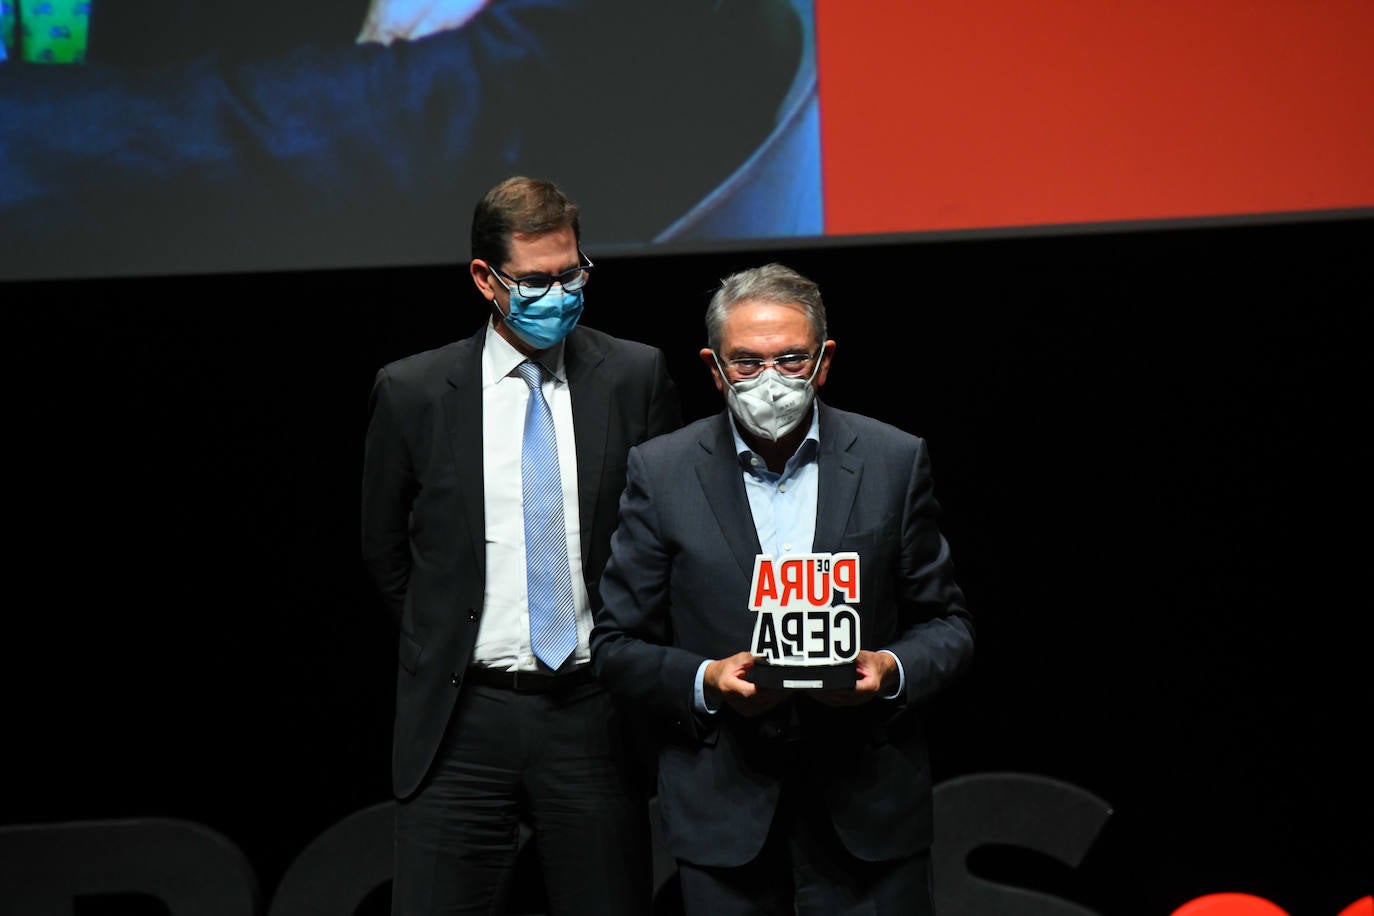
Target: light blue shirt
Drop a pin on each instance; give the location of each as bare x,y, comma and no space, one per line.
784,509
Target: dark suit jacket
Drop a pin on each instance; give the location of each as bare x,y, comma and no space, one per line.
423,520
676,592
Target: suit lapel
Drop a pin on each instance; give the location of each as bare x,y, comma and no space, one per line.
840,470
462,404
723,482
590,392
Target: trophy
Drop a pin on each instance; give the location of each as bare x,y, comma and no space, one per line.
806,632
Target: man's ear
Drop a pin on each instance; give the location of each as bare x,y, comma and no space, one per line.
482,278
827,353
709,358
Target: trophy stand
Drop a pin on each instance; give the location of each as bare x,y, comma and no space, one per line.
803,677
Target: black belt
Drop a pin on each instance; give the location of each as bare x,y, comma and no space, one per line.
530,681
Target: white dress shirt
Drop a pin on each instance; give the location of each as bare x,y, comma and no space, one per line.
503,635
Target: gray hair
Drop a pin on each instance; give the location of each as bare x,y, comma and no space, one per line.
769,283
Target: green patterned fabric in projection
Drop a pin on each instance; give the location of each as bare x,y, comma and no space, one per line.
8,48
49,31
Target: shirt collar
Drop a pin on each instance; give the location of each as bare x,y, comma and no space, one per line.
806,452
499,359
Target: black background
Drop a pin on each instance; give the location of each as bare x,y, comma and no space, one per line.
1150,447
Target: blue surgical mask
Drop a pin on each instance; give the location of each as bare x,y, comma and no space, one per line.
545,321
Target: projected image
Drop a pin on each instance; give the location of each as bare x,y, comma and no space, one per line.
170,136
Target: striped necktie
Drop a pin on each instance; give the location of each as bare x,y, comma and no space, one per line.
553,624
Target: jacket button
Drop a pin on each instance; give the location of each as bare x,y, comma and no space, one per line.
472,614
454,679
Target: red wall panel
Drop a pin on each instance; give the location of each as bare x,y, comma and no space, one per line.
948,115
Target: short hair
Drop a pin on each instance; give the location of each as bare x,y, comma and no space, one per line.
769,283
519,205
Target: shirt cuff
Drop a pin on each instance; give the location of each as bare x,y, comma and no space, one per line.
901,676
699,690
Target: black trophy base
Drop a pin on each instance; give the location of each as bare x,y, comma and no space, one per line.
804,677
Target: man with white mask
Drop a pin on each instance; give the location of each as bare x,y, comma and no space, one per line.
783,799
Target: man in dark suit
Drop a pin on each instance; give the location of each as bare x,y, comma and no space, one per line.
773,798
497,714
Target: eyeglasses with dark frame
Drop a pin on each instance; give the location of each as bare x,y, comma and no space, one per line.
793,364
535,286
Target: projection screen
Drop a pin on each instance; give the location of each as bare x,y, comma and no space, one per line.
188,136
